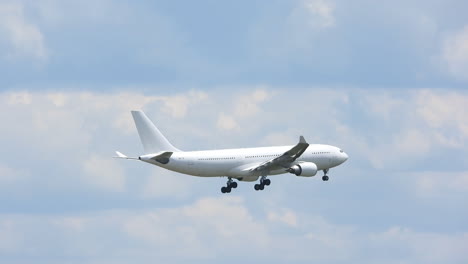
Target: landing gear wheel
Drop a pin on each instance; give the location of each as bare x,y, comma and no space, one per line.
228,189
233,185
324,178
257,187
261,187
267,182
223,189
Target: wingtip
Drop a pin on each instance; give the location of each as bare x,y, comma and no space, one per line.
302,139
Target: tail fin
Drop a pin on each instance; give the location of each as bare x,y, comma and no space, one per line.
152,139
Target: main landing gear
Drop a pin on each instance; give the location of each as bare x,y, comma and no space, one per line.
325,177
263,182
229,185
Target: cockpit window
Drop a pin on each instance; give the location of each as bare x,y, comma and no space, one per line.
341,151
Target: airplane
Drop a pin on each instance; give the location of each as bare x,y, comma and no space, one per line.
243,164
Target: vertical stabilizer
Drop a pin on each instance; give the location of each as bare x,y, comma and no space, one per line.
152,139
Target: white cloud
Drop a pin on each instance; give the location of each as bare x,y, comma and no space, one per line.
383,105
58,99
178,105
422,247
321,13
292,33
10,239
87,129
434,184
25,37
249,105
213,228
246,108
72,223
286,216
19,98
227,122
12,178
75,128
166,184
104,173
412,142
455,53
446,112
207,228
280,138
411,125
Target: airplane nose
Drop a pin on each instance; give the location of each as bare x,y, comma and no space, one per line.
344,157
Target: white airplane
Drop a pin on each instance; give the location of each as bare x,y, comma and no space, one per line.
244,164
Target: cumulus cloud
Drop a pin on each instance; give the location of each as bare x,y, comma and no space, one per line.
178,105
455,53
166,184
293,32
75,133
208,227
287,217
227,122
427,120
409,124
24,37
321,13
436,184
10,239
245,107
74,129
104,173
445,112
421,247
213,228
24,98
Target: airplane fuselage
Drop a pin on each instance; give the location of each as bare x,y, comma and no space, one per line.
244,164
235,163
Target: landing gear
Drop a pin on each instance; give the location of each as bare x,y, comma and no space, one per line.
263,182
325,177
229,185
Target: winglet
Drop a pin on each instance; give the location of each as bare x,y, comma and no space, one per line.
302,140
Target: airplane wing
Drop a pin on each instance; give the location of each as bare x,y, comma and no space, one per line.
284,160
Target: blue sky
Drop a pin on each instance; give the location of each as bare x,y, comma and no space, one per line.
384,81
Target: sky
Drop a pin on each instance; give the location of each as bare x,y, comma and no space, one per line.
385,81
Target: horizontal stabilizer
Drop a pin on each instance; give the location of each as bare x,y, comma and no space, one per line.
122,156
162,157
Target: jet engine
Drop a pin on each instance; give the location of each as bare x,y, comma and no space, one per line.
305,169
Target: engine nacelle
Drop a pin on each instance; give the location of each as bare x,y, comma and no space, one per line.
305,169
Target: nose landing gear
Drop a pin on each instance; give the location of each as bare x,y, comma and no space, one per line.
325,177
229,185
263,182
